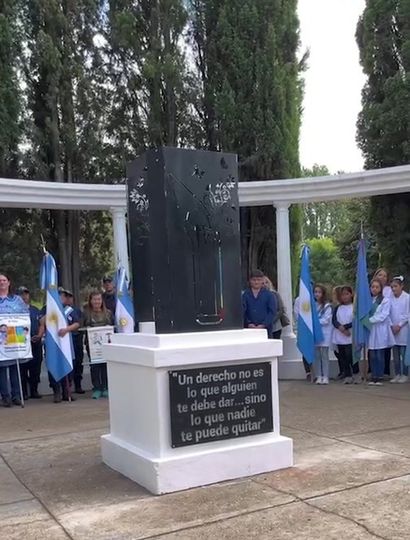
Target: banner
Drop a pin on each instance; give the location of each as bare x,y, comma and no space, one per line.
15,339
97,337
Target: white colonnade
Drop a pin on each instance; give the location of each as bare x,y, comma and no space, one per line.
279,193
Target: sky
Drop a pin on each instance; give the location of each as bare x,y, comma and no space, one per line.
333,84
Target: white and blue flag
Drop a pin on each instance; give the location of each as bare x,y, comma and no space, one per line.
309,330
59,357
124,309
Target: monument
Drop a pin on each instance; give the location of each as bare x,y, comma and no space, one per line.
193,396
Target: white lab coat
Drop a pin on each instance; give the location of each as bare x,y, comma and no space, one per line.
344,315
387,291
325,319
399,314
381,336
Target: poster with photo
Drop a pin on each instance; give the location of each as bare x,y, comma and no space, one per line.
97,337
15,340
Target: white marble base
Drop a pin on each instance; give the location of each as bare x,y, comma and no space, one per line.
139,442
214,462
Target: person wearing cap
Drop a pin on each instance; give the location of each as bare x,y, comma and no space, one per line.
259,304
30,371
74,318
109,298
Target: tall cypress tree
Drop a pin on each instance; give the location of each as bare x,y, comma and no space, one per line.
10,94
383,36
246,55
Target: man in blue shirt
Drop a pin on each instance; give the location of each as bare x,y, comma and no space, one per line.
259,304
30,371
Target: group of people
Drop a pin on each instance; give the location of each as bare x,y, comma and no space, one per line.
387,323
98,311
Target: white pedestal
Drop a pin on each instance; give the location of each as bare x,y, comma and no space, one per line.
139,443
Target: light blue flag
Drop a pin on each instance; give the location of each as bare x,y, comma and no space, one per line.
59,357
362,304
309,330
124,309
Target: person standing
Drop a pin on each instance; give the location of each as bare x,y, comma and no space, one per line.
96,314
74,318
399,315
324,310
10,304
31,370
281,319
383,275
259,304
108,296
342,336
381,336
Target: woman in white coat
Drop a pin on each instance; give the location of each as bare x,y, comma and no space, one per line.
381,335
399,315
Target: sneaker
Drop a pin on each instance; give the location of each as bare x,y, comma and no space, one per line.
348,380
395,379
371,383
6,402
319,380
105,394
96,394
325,380
378,383
403,379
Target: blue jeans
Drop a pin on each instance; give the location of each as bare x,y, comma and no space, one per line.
376,357
14,382
398,356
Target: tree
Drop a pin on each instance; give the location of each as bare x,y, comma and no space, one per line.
383,36
10,92
327,266
245,54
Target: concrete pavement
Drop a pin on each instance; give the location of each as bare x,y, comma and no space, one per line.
351,478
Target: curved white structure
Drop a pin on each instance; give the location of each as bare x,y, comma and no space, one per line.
279,193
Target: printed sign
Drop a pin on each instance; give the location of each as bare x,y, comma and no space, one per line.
211,404
97,337
15,340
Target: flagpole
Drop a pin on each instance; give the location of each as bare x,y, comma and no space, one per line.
20,385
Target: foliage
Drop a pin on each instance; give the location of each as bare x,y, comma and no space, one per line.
245,55
87,85
383,36
327,266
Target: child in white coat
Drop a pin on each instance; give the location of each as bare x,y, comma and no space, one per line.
399,315
342,333
381,336
324,310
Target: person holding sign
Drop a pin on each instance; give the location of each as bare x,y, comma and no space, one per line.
96,315
14,342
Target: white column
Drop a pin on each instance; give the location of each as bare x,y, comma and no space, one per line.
284,269
119,223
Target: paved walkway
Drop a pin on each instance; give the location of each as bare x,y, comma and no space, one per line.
351,479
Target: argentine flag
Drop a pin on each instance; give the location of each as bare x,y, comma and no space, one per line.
362,304
59,357
124,310
309,330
